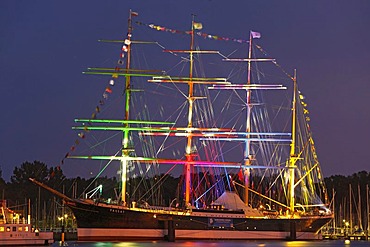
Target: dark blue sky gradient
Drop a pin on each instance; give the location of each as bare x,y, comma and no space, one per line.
45,45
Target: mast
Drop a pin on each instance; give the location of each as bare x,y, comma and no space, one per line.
350,207
125,139
367,209
293,155
188,150
359,207
334,225
191,131
247,160
248,87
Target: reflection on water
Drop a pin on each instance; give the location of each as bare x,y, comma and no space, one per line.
326,243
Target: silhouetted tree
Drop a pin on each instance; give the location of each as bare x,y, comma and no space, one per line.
22,187
2,185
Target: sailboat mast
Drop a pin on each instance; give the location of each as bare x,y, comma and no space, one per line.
367,208
188,150
350,207
334,210
359,206
127,111
293,155
248,126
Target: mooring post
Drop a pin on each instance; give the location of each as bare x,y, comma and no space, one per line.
62,234
171,231
293,230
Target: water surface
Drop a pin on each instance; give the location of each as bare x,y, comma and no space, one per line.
323,243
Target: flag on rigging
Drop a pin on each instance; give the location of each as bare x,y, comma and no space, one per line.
255,35
197,25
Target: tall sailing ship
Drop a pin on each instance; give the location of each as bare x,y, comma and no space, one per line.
241,179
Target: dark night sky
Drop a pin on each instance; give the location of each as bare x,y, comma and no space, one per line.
45,45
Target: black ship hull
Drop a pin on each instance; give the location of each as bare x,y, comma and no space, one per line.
102,222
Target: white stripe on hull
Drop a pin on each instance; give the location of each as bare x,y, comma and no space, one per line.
103,233
117,234
25,238
4,242
217,234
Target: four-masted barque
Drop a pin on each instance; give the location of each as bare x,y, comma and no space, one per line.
272,189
